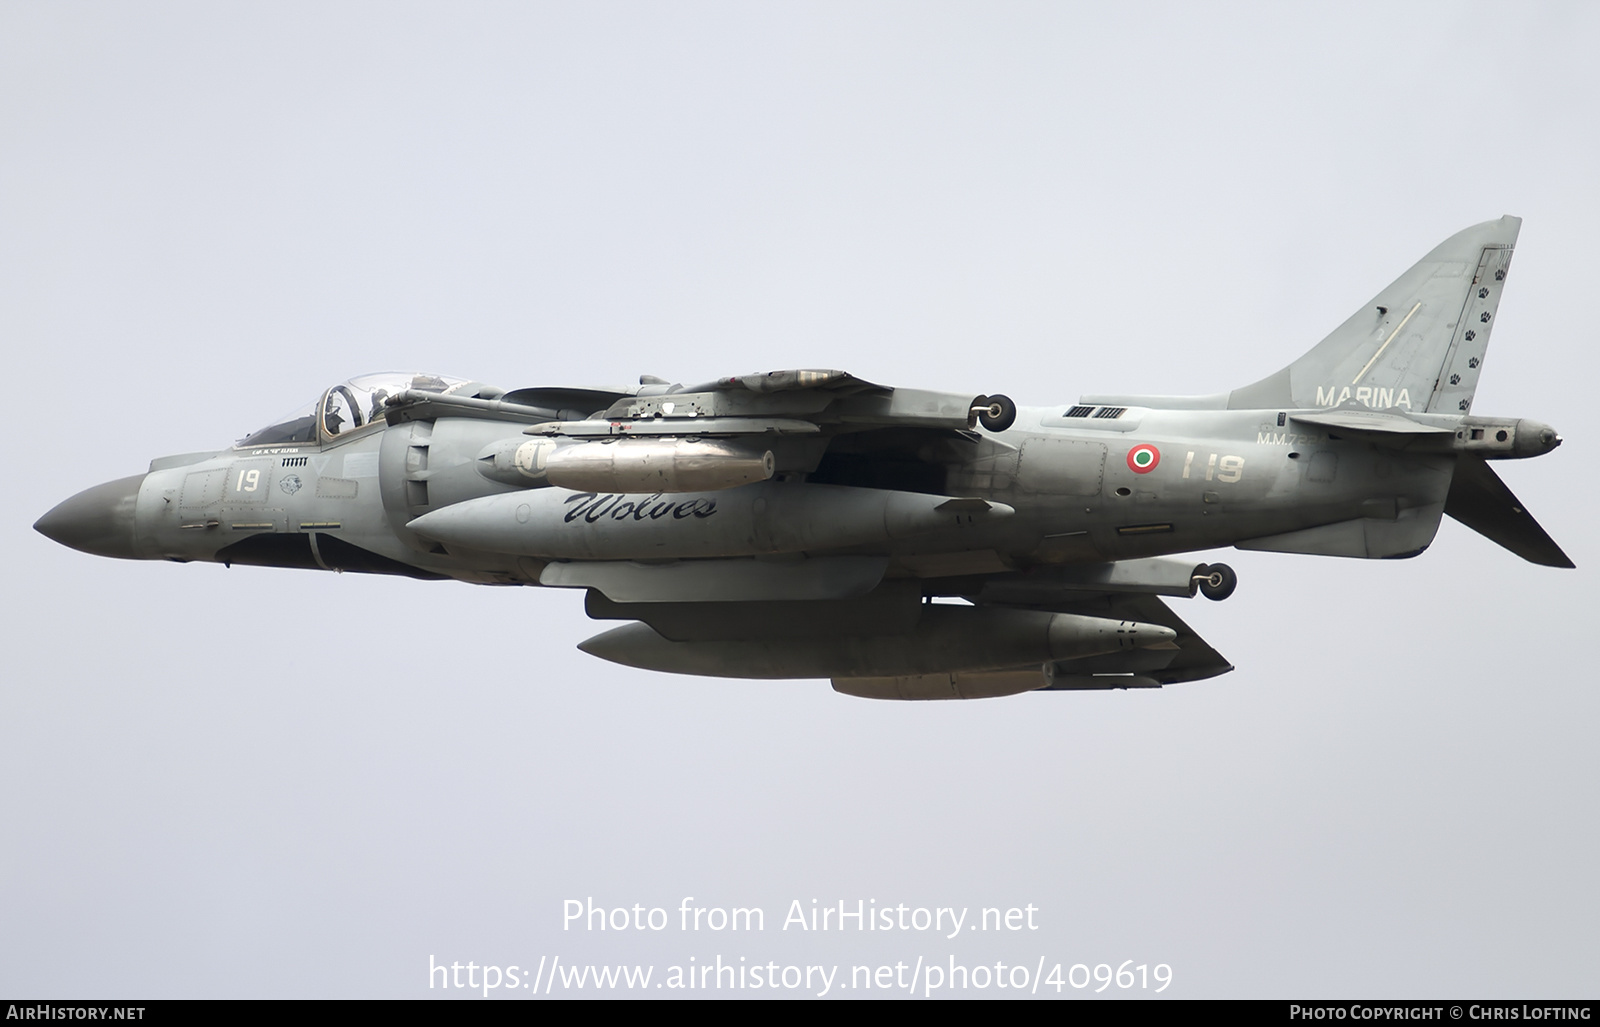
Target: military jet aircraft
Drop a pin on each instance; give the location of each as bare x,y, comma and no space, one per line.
907,544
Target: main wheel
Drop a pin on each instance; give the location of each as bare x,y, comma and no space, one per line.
998,412
1217,580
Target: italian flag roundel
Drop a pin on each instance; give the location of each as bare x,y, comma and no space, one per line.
1143,459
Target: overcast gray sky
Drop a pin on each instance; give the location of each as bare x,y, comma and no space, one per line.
257,782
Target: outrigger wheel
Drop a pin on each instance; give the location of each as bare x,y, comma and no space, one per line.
996,413
1217,580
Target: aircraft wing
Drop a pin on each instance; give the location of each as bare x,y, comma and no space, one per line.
1191,659
792,402
1380,426
1185,657
829,380
780,638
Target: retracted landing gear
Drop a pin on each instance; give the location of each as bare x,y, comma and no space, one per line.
996,413
1216,580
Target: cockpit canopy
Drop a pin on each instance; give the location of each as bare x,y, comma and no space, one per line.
347,407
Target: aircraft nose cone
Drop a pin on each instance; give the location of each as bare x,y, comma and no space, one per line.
97,520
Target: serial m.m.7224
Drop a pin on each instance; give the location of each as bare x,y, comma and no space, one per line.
804,524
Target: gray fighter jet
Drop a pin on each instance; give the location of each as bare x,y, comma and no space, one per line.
906,544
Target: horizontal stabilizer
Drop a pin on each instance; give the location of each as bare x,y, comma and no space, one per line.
1369,423
1481,501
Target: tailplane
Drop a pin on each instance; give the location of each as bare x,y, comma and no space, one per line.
1481,501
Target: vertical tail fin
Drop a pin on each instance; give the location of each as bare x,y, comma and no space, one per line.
1418,345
